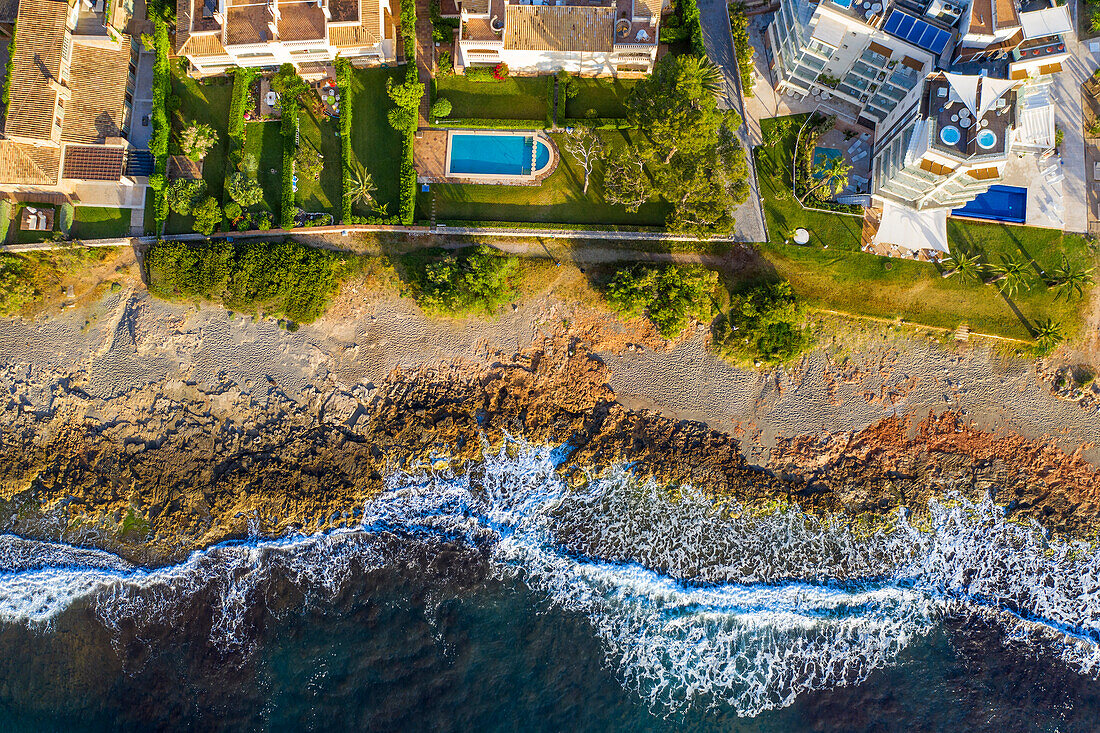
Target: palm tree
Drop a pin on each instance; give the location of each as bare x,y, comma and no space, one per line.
1070,279
832,174
709,75
1011,274
960,263
1048,334
361,188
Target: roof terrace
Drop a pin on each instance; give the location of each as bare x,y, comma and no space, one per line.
961,129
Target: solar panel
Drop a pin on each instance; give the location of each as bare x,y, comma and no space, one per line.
917,31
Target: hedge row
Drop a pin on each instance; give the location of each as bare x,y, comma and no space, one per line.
600,123
242,83
479,223
290,134
343,86
379,220
162,127
11,66
551,109
488,123
407,198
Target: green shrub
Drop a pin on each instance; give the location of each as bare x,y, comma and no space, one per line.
670,295
441,107
244,189
480,74
67,214
285,279
162,85
764,323
470,280
343,85
5,219
488,123
402,119
233,211
600,123
208,215
739,29
184,194
10,67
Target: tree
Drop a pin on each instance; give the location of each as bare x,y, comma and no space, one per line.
245,190
308,162
184,194
1012,274
207,216
1048,334
832,176
586,148
670,295
406,95
1070,279
689,146
197,139
567,85
233,211
361,188
763,323
624,180
441,107
402,119
289,85
960,263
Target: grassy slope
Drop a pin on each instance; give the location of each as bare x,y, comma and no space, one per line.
558,200
265,141
375,143
518,98
857,282
322,194
92,222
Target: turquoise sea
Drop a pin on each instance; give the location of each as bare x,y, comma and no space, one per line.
502,600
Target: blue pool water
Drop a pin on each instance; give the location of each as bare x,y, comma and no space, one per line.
502,154
999,203
822,155
843,3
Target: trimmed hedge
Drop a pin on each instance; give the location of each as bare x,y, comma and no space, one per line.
551,110
379,220
242,82
478,223
162,127
343,86
407,197
10,67
290,134
600,123
488,123
408,31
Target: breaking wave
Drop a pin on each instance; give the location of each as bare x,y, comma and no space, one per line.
696,603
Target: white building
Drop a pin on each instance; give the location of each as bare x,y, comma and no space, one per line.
215,35
611,37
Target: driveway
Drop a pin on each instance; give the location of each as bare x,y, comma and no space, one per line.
715,20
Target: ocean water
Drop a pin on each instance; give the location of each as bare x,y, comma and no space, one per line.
504,600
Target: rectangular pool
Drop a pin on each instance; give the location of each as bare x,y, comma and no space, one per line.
499,154
999,203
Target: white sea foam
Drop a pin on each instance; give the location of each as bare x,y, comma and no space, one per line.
695,604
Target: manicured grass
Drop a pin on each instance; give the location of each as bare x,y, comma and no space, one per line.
376,145
92,222
558,200
322,194
265,141
518,98
783,212
208,103
606,96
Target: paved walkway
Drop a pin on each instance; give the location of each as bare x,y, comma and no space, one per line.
1070,119
715,19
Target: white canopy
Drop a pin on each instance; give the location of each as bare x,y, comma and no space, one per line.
1035,118
1046,22
992,90
965,88
911,229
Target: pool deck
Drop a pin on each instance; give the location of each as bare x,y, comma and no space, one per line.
1043,197
430,161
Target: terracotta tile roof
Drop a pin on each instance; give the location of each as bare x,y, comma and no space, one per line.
98,83
479,29
367,33
206,44
93,162
1007,17
183,24
39,39
558,28
247,24
301,21
648,8
27,165
477,7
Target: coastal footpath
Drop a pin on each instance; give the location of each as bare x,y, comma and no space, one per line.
152,428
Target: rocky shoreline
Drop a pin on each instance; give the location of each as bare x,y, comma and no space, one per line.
174,461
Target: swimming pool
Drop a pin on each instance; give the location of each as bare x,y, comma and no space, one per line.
497,154
822,155
999,203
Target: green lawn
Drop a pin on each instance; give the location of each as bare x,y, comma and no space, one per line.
92,222
604,95
558,200
264,140
517,98
842,278
208,103
784,214
377,145
324,193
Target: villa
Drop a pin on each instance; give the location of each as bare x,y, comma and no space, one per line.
71,108
601,38
216,35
